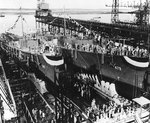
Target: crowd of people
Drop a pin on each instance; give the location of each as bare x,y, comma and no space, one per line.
111,48
82,90
107,46
38,109
111,112
107,88
101,44
115,110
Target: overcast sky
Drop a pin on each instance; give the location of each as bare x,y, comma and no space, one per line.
82,4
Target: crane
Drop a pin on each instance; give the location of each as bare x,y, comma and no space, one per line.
114,12
142,14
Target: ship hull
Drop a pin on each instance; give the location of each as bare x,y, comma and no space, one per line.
38,61
34,60
114,68
45,68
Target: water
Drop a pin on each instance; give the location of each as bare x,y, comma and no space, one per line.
9,21
29,24
103,17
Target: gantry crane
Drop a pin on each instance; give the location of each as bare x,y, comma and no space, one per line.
142,14
115,11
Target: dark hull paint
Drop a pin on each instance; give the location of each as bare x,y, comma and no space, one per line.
41,64
35,59
115,68
126,78
47,69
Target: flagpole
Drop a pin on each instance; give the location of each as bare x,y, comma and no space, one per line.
64,22
21,22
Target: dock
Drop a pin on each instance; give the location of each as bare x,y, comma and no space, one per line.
112,30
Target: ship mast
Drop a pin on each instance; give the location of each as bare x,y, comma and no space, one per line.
64,23
22,28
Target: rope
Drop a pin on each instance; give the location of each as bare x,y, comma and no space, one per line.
55,18
42,96
28,112
7,103
78,24
14,24
20,16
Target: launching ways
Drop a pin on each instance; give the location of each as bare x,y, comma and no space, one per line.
24,88
65,109
23,91
64,106
8,106
6,96
63,103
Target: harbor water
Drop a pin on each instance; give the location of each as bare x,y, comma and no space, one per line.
8,23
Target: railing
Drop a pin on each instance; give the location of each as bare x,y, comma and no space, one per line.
137,119
121,26
2,88
7,103
28,112
118,51
86,118
34,79
45,101
1,110
7,83
66,104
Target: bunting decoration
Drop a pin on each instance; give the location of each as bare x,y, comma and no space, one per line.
136,63
24,19
20,16
53,62
81,27
14,24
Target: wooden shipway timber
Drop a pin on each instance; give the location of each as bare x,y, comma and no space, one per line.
6,95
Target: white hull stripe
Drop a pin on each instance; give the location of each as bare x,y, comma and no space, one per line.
53,62
136,63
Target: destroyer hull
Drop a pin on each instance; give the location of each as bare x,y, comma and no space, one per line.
115,68
45,68
31,59
40,63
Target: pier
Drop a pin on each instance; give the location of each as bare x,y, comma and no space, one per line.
115,31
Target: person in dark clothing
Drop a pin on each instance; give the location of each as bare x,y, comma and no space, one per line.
23,119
